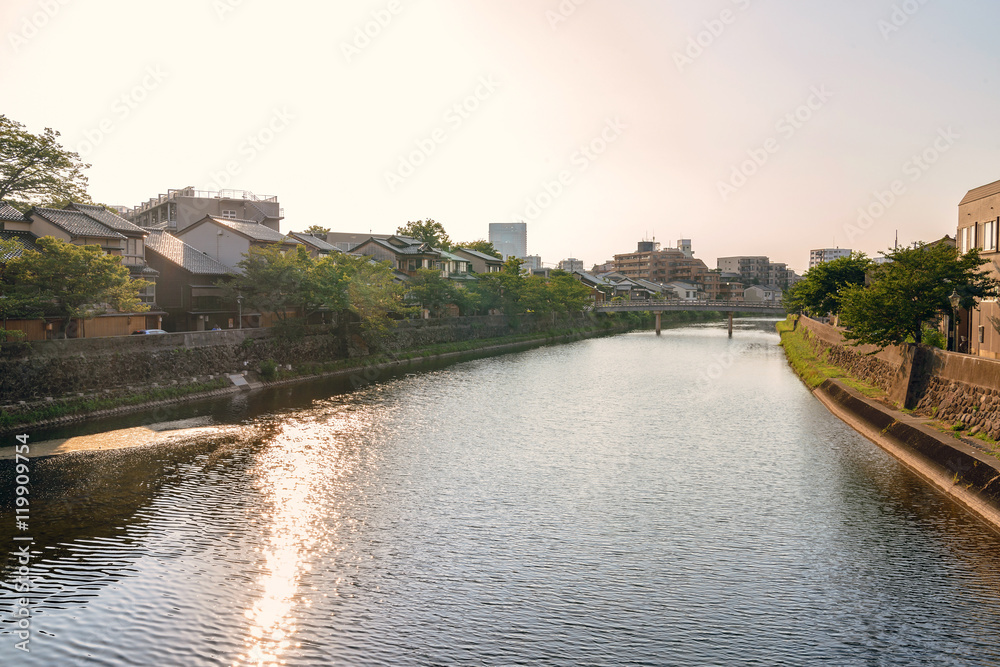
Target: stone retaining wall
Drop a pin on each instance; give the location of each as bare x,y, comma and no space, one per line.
949,386
31,371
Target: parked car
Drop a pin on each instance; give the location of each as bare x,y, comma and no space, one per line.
148,331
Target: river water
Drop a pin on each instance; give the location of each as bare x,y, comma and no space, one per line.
671,500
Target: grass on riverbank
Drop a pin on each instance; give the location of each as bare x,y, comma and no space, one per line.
32,414
357,363
812,368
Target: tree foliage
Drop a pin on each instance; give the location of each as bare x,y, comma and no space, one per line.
373,293
290,283
428,231
912,289
317,229
482,246
433,291
818,293
70,281
36,170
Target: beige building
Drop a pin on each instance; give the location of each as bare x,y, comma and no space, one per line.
178,209
978,226
228,241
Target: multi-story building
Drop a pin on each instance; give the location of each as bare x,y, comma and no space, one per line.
571,264
757,270
178,209
510,238
978,227
752,269
648,262
820,255
531,262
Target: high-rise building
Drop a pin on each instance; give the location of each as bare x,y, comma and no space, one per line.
821,255
510,238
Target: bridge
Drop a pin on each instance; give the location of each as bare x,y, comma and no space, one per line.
658,306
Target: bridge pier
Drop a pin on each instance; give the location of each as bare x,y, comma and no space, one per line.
730,324
658,323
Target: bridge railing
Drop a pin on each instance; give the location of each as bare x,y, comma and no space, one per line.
722,305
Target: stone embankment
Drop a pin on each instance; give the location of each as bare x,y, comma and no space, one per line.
946,394
123,374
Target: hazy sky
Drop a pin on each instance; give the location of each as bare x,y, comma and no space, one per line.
749,126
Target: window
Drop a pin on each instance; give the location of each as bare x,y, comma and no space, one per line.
231,215
964,246
989,236
148,294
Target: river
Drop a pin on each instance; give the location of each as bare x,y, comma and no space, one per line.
671,500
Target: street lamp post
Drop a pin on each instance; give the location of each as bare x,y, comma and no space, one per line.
239,302
954,299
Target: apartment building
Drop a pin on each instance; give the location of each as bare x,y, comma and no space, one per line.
978,227
820,255
179,209
650,263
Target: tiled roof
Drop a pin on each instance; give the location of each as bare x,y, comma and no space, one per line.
183,255
254,230
107,218
314,241
479,255
8,212
76,223
420,249
25,241
981,192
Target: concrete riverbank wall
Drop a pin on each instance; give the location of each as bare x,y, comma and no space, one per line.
943,388
948,386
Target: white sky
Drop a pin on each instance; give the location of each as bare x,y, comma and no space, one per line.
160,95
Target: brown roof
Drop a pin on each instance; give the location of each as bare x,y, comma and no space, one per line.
981,192
183,255
75,223
107,218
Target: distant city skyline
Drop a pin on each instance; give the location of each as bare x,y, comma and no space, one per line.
748,127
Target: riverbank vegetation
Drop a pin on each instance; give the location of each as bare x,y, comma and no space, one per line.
898,300
812,368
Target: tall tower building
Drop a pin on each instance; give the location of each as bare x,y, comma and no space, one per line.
510,238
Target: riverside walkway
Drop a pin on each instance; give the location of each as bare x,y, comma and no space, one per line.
658,306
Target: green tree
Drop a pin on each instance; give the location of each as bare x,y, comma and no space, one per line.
818,293
482,246
432,291
280,282
317,229
36,170
271,281
73,282
568,294
912,289
373,293
428,231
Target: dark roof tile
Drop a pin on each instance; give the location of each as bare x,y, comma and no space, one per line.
183,255
76,223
